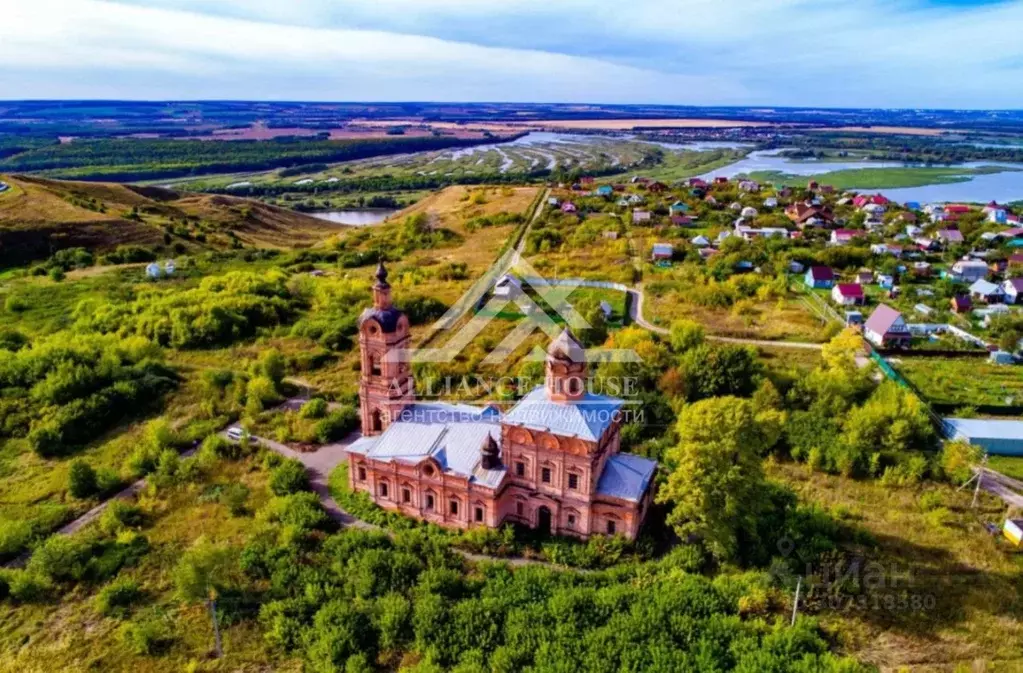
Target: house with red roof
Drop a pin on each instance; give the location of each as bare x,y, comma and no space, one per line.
848,294
956,209
720,180
886,328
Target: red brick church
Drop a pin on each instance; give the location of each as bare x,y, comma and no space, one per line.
552,462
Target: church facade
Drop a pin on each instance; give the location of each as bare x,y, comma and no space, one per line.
552,462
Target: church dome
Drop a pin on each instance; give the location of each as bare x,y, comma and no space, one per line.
566,347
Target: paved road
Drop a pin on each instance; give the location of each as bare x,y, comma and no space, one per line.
636,313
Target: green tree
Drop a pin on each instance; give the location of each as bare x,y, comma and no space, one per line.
717,479
82,481
957,459
686,335
197,576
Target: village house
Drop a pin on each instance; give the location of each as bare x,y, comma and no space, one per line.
640,216
864,277
968,271
700,241
848,294
996,213
749,186
678,208
605,190
507,287
886,328
552,463
662,252
770,202
1013,289
886,249
949,237
987,292
808,215
844,236
819,277
681,220
568,207
961,303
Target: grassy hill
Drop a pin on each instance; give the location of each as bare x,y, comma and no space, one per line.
39,216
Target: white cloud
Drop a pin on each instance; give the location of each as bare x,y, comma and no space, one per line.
771,52
97,36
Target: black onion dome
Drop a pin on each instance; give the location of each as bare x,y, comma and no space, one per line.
490,454
387,318
381,275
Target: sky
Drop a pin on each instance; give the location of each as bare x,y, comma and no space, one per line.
827,53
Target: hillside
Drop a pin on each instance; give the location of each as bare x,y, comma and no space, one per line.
39,216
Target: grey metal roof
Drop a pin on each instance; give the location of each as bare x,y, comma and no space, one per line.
586,418
451,434
626,476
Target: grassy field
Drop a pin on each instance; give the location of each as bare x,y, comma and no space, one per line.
69,635
38,216
935,554
880,178
966,381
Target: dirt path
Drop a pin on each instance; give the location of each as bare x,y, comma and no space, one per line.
636,313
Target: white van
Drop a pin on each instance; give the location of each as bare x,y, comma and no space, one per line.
235,434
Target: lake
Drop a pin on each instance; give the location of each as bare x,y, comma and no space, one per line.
362,217
1001,187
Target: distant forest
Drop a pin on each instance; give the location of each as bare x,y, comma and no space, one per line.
141,159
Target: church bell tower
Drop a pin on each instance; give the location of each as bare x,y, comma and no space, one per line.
386,386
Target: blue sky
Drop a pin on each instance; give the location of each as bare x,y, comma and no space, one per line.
858,53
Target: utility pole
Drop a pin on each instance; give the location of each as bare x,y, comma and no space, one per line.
980,477
795,605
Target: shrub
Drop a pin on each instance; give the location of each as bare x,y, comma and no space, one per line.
314,408
61,557
299,510
120,515
14,536
82,481
288,477
146,637
337,425
235,497
15,304
26,586
116,598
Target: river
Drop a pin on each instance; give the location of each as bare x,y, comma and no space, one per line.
1002,187
362,217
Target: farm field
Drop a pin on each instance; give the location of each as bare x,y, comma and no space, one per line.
965,381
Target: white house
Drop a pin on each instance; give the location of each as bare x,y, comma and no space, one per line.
770,202
507,287
748,213
987,292
886,327
1013,289
968,270
700,241
848,294
640,216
